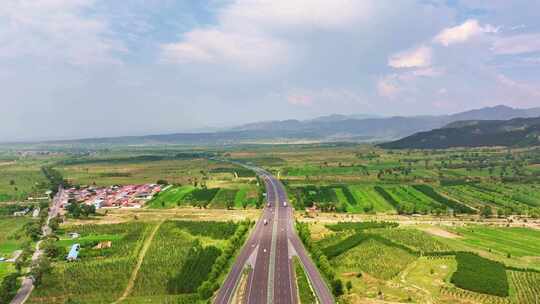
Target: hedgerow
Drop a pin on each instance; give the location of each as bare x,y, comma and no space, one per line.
430,192
357,226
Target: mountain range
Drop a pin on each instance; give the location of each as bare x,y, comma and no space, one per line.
336,127
474,133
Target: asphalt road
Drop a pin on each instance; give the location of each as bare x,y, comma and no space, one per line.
27,284
271,279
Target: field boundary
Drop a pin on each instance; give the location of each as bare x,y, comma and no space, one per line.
140,259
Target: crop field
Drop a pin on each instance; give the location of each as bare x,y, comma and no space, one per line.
369,200
518,242
101,274
384,261
179,259
170,198
374,258
480,275
107,173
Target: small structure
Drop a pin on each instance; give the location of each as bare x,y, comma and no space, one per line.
36,211
104,245
21,213
74,235
73,252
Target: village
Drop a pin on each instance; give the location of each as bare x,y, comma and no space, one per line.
116,196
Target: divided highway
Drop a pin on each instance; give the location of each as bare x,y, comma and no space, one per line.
269,251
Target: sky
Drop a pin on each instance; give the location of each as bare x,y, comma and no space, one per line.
95,68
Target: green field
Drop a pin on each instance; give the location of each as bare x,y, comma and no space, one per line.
12,236
171,197
518,242
368,199
22,179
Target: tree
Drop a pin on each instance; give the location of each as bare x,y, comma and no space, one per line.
74,209
52,250
55,222
162,182
41,268
486,211
349,286
337,287
9,287
87,210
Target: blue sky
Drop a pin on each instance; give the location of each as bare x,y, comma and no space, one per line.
84,68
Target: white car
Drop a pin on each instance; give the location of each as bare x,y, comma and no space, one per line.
265,221
284,204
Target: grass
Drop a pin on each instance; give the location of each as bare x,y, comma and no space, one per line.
21,179
12,236
304,289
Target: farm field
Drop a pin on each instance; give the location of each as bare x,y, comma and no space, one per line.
174,258
381,261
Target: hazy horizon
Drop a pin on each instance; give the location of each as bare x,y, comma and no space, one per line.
97,68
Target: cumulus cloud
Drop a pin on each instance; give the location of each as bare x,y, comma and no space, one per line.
55,30
249,32
213,46
517,44
463,33
416,58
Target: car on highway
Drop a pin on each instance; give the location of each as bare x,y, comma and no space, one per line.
265,221
284,204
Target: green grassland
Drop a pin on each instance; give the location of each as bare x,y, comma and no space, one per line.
12,236
21,179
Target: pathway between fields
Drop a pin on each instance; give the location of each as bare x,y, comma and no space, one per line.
140,260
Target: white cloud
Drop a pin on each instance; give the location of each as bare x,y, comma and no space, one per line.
518,44
464,32
249,32
314,14
387,88
55,30
213,46
416,58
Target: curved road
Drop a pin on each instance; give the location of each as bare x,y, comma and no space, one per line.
269,251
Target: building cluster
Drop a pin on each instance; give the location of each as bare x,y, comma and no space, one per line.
133,196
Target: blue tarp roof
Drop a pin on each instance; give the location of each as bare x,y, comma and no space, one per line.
74,252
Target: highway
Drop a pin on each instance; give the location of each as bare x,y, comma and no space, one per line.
269,251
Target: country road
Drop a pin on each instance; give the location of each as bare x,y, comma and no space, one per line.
269,251
27,284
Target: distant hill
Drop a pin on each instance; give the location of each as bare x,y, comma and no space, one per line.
474,133
330,128
383,128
